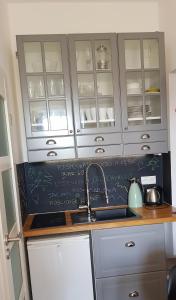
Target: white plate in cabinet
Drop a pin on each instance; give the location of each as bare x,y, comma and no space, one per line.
100,151
99,139
151,286
145,136
52,154
50,142
129,250
145,148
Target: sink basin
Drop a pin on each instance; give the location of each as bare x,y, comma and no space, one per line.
103,215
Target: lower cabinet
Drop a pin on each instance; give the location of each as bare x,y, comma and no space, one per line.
130,262
147,286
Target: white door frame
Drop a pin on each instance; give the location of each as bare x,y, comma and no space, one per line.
3,262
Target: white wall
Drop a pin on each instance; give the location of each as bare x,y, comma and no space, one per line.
72,17
6,66
167,23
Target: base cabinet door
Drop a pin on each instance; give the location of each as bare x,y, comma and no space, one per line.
124,251
149,286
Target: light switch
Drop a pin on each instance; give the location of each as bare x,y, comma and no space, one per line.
148,180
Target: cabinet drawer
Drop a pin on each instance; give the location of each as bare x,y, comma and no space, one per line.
50,143
100,151
146,136
145,148
122,251
99,139
55,154
151,286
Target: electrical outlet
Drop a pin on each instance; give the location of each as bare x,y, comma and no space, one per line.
148,180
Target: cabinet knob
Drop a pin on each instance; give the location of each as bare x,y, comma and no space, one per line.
130,244
145,136
99,139
99,150
126,128
71,131
78,130
145,147
50,142
134,294
51,153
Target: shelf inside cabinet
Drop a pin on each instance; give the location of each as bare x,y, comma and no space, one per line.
100,121
141,119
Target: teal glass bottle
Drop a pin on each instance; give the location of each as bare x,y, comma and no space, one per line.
134,194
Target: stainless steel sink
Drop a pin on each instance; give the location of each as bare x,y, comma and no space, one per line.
103,215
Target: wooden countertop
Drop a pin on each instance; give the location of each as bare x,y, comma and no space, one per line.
147,216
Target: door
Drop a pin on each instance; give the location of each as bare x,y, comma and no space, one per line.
142,79
45,85
12,262
95,85
146,286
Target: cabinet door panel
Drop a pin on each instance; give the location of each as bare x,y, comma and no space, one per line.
114,256
145,136
44,74
142,80
146,148
50,143
101,151
103,139
94,72
52,154
151,286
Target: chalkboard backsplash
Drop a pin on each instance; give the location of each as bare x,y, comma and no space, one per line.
57,186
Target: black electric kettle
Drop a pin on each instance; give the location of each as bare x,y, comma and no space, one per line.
152,195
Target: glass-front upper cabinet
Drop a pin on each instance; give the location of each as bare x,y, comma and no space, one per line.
95,83
142,79
45,85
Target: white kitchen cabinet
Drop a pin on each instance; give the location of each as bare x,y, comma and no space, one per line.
60,268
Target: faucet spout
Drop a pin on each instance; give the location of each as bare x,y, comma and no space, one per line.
87,185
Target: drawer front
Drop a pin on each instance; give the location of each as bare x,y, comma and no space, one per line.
99,139
54,154
151,286
50,143
145,148
146,136
100,151
128,250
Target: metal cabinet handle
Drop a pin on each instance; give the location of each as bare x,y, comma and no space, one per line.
145,147
51,153
50,142
99,139
130,244
145,136
99,150
134,294
12,239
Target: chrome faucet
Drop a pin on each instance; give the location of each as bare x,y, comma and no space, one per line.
88,206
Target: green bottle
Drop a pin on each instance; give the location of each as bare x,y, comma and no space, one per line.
134,194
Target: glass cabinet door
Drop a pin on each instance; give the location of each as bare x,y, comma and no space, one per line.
95,82
45,85
142,80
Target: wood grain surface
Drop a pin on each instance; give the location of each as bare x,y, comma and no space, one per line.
147,216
